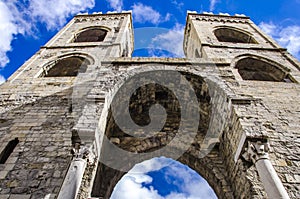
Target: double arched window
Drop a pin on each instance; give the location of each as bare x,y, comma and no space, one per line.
228,34
95,34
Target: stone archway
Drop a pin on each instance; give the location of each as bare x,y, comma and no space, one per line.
213,156
209,166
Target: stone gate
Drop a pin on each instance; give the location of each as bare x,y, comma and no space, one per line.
230,111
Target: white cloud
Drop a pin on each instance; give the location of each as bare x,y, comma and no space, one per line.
130,187
9,27
17,17
287,37
188,183
117,5
54,12
268,28
153,164
188,180
192,186
142,13
2,79
212,4
171,41
178,5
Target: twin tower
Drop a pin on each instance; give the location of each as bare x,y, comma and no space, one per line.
79,113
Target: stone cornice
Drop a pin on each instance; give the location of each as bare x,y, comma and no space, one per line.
100,17
219,18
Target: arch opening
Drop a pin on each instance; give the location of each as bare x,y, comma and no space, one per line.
234,36
144,97
140,105
259,70
162,178
91,35
67,67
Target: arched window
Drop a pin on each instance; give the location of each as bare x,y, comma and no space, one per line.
91,35
69,66
256,69
233,35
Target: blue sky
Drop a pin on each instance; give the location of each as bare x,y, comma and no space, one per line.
162,178
25,25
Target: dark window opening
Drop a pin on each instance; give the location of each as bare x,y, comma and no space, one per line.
70,66
234,36
91,35
255,69
8,150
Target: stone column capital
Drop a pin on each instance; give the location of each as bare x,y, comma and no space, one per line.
256,150
83,152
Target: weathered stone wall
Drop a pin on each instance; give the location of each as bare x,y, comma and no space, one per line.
39,162
269,110
278,120
39,110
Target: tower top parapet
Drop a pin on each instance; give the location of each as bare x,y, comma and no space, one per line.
209,16
108,13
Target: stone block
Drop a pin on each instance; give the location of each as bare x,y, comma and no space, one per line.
3,174
17,196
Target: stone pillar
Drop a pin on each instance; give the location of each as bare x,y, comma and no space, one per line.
72,182
257,152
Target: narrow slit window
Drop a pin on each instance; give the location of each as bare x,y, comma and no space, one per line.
8,150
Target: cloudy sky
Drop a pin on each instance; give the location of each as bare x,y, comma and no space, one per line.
25,25
162,178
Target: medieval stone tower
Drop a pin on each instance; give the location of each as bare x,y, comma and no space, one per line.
59,126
